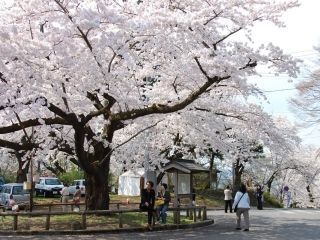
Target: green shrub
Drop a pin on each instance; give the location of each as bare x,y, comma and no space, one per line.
272,200
71,175
9,177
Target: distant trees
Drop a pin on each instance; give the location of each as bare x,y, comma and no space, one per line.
306,103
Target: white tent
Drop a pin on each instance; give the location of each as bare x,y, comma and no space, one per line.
129,182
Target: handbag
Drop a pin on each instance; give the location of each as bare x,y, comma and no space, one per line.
236,206
15,208
159,202
76,199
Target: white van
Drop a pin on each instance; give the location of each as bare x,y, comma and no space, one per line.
16,190
48,186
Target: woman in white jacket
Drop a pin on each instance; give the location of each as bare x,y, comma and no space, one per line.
242,201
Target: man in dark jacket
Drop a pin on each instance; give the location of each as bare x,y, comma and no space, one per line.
147,201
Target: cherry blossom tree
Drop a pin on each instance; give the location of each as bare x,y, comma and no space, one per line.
303,181
102,72
280,157
306,103
8,165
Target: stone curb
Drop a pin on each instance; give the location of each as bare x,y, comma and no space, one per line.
120,230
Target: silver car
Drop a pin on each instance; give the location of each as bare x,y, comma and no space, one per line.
16,190
82,185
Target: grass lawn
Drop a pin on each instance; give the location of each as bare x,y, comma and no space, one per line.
110,221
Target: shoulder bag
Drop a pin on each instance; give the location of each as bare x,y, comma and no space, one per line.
236,206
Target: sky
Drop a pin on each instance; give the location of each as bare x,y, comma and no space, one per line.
298,38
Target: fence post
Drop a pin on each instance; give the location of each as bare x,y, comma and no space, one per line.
48,222
199,213
190,214
175,216
15,222
204,214
194,214
178,216
120,220
84,221
49,207
118,206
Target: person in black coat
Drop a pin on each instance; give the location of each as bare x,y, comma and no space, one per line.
148,196
259,196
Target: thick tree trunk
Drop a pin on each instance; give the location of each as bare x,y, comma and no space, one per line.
269,183
97,190
21,172
211,172
310,195
237,180
21,175
96,165
238,170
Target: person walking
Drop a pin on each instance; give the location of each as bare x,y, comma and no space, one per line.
148,196
259,196
13,204
241,205
227,199
65,197
164,195
76,199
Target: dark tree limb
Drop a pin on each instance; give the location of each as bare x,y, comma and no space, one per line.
17,146
32,123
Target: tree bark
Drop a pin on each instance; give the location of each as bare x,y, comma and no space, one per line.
21,172
211,172
97,190
238,170
310,195
96,165
159,177
237,180
270,181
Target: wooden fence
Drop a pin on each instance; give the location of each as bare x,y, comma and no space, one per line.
50,205
197,212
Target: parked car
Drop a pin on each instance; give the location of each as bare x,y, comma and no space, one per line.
79,182
20,195
48,186
2,182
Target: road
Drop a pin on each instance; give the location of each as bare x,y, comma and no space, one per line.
275,224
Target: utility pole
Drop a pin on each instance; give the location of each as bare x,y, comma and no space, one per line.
233,175
32,187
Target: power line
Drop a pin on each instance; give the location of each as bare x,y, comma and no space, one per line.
278,90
